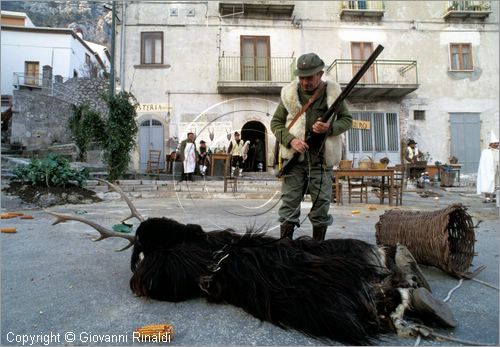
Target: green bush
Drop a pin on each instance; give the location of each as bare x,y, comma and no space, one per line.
121,131
53,170
86,126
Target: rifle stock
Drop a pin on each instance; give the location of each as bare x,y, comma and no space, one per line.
328,116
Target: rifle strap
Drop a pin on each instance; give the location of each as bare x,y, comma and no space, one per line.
306,106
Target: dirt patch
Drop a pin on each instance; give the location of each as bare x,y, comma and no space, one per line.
43,196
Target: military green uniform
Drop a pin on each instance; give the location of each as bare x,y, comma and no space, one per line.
313,174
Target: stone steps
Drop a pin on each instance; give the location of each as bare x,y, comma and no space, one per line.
208,189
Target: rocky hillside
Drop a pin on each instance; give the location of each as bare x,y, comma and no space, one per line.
90,16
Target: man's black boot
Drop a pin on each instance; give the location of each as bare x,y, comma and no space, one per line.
319,232
286,230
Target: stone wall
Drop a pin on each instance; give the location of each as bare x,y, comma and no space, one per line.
41,115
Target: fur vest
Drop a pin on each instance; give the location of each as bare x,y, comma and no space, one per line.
290,98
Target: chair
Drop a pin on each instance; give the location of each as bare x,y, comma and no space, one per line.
357,187
333,198
230,179
153,164
399,184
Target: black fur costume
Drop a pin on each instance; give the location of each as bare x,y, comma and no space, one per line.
340,289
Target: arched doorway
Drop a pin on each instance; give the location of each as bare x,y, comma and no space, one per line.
251,131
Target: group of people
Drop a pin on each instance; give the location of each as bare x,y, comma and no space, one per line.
193,157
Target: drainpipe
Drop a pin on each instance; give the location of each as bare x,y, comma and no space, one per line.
113,34
122,48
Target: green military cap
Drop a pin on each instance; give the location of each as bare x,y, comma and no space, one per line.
309,64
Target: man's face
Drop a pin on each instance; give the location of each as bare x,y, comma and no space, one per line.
310,83
190,136
236,137
494,145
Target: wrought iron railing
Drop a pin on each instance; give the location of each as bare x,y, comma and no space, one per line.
249,70
469,5
381,72
363,5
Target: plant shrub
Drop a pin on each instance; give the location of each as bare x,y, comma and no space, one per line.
121,131
53,170
86,126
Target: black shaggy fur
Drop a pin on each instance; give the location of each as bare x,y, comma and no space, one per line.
334,289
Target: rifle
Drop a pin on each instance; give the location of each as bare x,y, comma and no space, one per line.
327,117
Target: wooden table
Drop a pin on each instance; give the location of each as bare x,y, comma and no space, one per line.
356,172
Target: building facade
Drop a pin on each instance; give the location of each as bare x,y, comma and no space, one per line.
26,49
48,70
215,67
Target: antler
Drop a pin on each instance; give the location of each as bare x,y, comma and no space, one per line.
105,233
133,210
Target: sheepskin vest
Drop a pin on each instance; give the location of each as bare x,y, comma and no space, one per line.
290,99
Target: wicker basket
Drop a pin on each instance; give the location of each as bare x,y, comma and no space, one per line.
345,164
379,166
365,163
442,238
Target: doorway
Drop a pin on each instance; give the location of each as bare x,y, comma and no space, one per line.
150,137
253,131
465,129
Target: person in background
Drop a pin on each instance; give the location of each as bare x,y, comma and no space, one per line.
259,155
203,158
236,150
412,153
487,173
188,155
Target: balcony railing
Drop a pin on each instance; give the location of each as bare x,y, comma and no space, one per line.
29,80
254,72
362,8
467,9
385,77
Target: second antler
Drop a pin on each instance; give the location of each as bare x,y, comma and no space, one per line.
105,232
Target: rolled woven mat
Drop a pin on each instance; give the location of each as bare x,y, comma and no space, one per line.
442,238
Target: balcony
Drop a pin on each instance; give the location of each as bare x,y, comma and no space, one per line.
385,78
467,9
251,9
266,75
373,9
21,80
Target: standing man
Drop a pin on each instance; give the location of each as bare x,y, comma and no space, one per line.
236,150
188,155
313,171
487,173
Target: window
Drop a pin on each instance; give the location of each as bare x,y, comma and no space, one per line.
418,115
152,48
31,73
87,59
380,138
360,51
255,58
461,57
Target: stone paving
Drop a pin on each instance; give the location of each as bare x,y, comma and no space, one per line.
54,280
